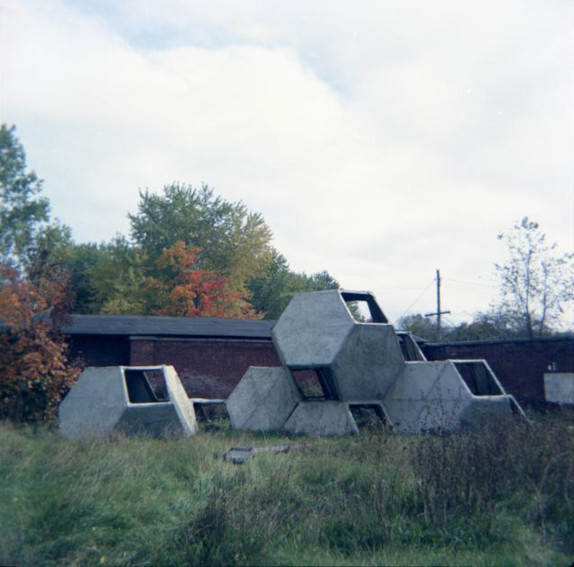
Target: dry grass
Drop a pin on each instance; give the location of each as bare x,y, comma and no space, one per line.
501,497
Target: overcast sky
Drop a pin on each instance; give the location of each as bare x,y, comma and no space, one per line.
380,140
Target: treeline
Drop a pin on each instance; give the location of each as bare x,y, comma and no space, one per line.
189,252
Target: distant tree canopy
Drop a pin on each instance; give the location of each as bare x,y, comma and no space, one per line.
489,325
191,252
22,211
230,243
536,281
216,242
234,241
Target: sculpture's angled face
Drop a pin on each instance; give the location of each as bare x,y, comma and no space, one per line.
317,330
312,329
368,362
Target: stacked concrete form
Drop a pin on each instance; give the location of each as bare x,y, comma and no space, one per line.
333,364
122,399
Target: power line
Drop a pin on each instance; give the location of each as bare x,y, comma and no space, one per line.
471,283
416,300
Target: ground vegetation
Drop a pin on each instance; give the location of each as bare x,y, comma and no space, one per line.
499,497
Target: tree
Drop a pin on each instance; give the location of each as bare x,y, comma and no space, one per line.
193,292
419,325
536,279
22,211
35,371
271,291
234,241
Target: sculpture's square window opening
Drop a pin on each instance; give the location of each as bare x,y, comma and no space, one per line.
409,347
478,378
363,307
146,385
368,416
315,383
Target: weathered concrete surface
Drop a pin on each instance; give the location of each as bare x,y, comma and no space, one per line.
559,387
98,404
312,329
427,396
431,396
368,362
95,403
318,419
362,362
263,399
487,411
182,404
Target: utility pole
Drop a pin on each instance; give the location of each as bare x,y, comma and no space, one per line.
438,310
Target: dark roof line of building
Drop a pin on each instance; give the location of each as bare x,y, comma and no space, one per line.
218,327
168,326
130,325
566,337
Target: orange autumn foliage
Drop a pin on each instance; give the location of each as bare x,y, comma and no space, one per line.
193,292
34,368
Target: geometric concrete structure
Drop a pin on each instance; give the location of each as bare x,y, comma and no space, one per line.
318,419
263,399
434,396
559,387
317,332
130,400
333,363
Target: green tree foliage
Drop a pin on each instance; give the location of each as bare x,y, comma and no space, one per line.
536,279
272,290
421,326
485,325
234,241
108,278
22,211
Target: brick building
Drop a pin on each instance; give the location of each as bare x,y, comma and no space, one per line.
212,354
519,364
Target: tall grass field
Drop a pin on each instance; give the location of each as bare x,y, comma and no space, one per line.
501,497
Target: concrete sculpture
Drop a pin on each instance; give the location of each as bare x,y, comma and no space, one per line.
334,366
129,400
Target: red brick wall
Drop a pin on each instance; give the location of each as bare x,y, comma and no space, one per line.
142,353
207,368
100,350
519,365
212,368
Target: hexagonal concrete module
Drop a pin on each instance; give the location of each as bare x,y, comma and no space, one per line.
334,366
317,331
368,362
263,399
318,419
439,395
121,399
302,338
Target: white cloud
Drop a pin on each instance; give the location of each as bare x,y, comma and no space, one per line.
379,140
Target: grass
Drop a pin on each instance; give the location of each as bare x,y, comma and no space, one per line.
501,497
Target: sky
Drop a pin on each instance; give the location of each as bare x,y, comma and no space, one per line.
380,140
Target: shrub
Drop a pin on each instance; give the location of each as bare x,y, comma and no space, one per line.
35,371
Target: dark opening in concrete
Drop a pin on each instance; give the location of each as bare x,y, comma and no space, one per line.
368,300
146,386
207,411
478,378
409,347
315,383
368,416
